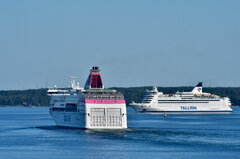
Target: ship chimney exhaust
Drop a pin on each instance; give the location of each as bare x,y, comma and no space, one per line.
94,80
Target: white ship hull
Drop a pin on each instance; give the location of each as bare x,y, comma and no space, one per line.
69,119
182,109
96,117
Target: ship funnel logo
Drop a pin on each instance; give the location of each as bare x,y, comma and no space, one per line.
199,89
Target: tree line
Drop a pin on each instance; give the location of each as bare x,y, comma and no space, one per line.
38,97
31,97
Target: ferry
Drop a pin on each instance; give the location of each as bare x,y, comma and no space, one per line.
195,101
91,107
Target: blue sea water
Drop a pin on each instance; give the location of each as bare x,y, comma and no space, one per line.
30,133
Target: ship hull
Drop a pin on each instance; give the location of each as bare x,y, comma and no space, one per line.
96,116
183,109
68,119
186,112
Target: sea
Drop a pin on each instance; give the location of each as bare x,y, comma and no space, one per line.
30,133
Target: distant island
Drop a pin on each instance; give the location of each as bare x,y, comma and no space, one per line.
38,97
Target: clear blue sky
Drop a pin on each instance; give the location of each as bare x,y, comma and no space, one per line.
135,42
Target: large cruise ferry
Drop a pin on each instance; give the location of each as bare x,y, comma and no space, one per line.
93,107
195,101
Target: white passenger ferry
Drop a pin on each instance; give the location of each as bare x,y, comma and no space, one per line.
195,101
93,107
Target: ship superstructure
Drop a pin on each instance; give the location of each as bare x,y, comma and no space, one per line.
93,107
195,101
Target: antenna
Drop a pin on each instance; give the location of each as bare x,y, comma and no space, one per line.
73,83
46,84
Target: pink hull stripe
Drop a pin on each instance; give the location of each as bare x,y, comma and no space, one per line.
105,101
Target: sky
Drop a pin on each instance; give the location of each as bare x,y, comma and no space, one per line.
134,42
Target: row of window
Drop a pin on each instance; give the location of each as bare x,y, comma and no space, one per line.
58,109
63,109
71,108
68,104
146,100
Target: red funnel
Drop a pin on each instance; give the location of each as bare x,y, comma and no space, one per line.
94,79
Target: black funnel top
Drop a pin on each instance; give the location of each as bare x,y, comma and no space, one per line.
199,84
